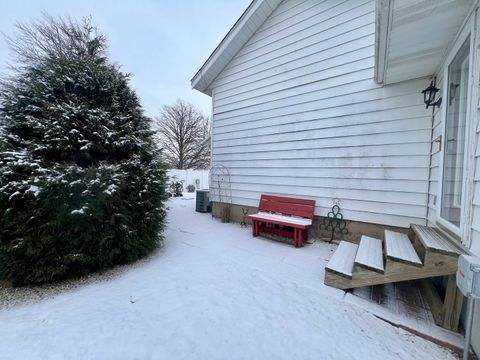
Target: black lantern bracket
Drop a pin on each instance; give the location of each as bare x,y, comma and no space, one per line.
430,93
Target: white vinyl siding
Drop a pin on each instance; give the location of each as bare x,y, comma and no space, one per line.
475,240
297,113
475,212
475,226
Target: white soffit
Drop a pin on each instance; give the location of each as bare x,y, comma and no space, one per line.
255,15
413,36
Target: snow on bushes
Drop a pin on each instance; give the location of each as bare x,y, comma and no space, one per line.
82,186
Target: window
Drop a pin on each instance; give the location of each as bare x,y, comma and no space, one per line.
455,124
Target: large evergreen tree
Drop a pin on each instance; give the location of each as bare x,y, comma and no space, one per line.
81,181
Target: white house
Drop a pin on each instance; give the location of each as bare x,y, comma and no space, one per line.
322,99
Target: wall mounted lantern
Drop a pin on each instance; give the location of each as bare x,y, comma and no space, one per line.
429,95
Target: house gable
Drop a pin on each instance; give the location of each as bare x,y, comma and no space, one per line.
242,30
297,112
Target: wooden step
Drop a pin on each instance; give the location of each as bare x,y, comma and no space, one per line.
370,254
395,271
402,263
433,240
343,259
399,248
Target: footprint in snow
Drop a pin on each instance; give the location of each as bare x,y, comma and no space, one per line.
186,232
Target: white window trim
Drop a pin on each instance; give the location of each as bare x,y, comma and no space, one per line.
468,29
465,140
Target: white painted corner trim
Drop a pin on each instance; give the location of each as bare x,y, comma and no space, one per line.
383,26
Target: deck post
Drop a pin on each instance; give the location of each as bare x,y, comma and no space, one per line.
452,305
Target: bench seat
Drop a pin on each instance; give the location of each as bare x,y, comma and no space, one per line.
284,213
282,219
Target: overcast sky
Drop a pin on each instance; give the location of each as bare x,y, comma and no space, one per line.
161,42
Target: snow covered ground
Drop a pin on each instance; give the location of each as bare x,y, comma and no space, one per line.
212,292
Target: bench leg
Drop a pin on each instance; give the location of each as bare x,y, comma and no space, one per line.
255,227
297,237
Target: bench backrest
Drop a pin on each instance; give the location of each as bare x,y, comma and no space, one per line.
287,206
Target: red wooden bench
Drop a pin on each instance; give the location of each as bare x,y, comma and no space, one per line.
287,212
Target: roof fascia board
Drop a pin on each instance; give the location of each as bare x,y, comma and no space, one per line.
232,34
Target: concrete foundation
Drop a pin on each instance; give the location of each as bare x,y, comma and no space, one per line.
355,228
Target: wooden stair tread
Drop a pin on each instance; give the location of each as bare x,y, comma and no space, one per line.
370,254
432,239
402,263
343,259
398,247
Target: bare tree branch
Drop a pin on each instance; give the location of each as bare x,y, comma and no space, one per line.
182,131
